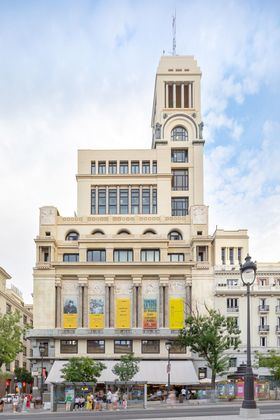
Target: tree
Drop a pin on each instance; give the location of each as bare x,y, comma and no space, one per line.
11,333
23,375
272,362
82,369
126,368
209,336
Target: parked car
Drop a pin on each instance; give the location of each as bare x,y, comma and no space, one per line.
8,398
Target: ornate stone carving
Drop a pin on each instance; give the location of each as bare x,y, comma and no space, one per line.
123,288
158,131
150,288
177,286
200,130
47,215
199,215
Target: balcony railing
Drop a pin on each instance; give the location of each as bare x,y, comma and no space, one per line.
263,328
233,309
263,308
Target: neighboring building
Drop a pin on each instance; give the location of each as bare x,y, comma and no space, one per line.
11,300
122,274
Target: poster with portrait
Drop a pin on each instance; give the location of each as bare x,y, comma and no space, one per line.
150,314
176,313
70,312
96,313
123,313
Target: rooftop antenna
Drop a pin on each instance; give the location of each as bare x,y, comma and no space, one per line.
174,33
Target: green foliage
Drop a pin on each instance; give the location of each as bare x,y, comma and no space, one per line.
126,368
209,336
11,333
82,369
23,375
272,362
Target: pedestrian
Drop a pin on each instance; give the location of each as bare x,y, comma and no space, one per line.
15,403
109,400
124,401
115,399
89,402
77,402
82,402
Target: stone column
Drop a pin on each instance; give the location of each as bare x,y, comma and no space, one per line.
161,317
163,302
82,304
107,311
188,301
58,302
136,302
166,309
109,302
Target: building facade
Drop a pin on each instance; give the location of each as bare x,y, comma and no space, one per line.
11,300
121,275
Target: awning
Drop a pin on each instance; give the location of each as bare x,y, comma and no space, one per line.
152,372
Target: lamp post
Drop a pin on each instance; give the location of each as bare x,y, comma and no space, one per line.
249,406
168,347
42,351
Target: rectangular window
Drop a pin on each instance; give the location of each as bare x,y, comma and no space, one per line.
150,346
123,167
201,253
223,255
232,304
8,308
112,201
179,156
176,257
124,201
24,351
70,257
101,201
154,201
123,346
112,167
231,256
263,341
24,319
178,96
95,346
186,96
170,96
146,201
233,319
232,362
179,179
154,168
239,255
123,255
179,206
69,346
135,201
231,283
93,168
93,201
150,255
102,168
96,255
202,373
8,367
135,167
177,348
146,167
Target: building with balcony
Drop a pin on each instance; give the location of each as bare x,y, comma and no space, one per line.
11,300
121,275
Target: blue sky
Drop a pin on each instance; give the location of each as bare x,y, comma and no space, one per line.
80,74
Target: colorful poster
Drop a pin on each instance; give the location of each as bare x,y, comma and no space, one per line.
96,314
150,314
70,313
176,313
123,313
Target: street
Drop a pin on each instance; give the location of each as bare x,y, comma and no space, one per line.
208,411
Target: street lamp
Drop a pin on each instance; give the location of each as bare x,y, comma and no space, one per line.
248,276
42,351
168,345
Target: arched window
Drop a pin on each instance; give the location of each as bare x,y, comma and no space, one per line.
179,133
123,232
174,235
98,232
72,236
149,232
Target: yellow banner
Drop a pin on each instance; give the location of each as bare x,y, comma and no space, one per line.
123,313
70,321
176,313
96,321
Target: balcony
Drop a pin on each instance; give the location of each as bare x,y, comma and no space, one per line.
277,329
264,328
263,308
233,309
277,309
